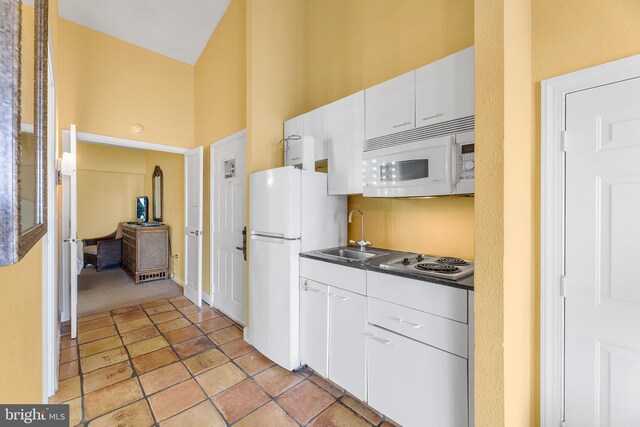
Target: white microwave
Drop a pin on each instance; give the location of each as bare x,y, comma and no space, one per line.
430,167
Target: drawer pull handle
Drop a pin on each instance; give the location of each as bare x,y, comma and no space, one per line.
340,297
380,340
317,291
405,322
402,124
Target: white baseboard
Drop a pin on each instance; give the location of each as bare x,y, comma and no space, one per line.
178,281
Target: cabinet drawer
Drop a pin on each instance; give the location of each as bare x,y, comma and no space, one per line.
440,300
436,331
414,384
347,278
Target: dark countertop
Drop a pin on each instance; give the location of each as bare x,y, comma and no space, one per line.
373,264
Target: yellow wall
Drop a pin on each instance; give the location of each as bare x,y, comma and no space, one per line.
352,45
110,179
275,76
220,99
489,335
21,331
105,85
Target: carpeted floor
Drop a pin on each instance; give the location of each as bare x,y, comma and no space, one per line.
112,288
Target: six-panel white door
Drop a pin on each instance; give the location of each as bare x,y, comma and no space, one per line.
228,226
602,338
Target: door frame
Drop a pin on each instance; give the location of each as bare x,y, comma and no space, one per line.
221,142
114,142
552,223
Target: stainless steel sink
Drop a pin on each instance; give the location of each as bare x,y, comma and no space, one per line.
352,254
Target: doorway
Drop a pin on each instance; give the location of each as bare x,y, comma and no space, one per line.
590,347
111,174
228,225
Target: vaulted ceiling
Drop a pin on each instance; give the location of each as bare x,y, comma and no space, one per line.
179,29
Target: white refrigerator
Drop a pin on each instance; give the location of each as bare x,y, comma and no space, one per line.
289,212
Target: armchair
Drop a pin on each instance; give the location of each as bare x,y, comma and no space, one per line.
103,251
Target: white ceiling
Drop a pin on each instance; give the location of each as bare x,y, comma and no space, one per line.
178,29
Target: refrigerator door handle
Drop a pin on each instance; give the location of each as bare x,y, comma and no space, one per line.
267,234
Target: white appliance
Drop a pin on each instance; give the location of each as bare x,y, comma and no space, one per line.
290,212
413,164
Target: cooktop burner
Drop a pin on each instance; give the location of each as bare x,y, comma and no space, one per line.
452,261
440,268
443,267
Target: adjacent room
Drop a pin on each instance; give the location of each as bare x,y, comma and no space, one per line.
130,222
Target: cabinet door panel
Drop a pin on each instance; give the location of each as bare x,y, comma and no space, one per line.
445,89
315,125
415,384
347,328
390,106
314,325
293,154
345,136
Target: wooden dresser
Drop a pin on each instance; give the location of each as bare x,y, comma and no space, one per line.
145,252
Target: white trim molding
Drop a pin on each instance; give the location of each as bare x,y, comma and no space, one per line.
552,224
127,143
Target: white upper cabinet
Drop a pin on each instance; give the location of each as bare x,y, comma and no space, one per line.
315,125
391,106
294,126
445,89
345,136
293,149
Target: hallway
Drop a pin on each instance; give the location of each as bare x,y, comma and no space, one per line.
166,363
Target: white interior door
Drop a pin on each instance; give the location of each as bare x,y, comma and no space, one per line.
602,338
228,226
193,225
70,199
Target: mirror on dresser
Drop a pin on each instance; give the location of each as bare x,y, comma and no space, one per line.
158,195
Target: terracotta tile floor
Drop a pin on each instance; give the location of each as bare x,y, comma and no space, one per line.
164,363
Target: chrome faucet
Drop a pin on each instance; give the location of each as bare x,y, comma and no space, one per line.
362,242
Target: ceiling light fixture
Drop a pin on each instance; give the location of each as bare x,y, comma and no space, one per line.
136,129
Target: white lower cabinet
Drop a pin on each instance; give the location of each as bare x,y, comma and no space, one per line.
314,331
347,341
403,346
415,384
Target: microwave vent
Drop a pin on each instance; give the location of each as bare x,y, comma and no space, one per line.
451,127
